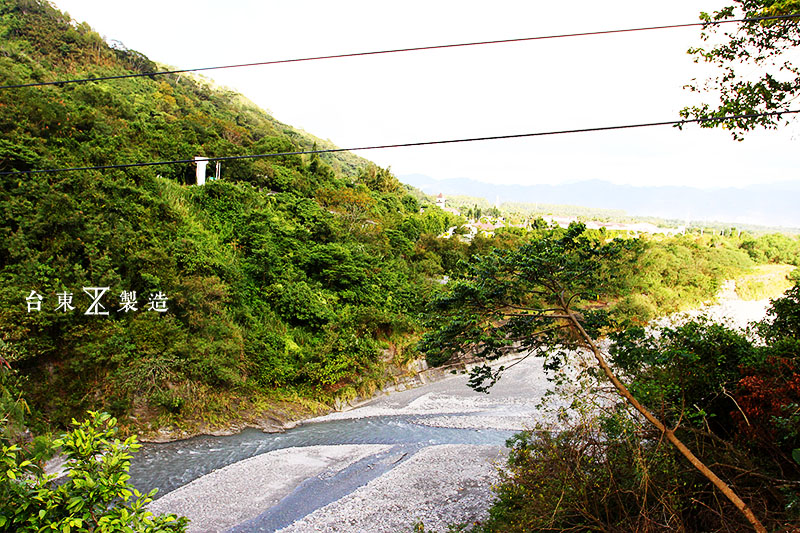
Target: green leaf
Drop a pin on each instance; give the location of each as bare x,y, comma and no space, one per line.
796,455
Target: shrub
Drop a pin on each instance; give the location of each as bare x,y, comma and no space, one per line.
609,474
96,495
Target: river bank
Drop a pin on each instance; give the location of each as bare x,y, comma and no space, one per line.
376,484
373,487
286,415
727,308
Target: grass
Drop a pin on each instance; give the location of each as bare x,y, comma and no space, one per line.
765,281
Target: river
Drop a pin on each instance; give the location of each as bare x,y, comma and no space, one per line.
428,454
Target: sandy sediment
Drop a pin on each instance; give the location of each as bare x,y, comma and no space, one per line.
243,490
438,486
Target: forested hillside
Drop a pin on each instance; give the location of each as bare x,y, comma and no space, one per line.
298,274
292,279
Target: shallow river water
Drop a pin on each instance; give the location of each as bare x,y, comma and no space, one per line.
168,466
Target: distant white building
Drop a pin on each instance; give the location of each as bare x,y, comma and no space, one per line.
440,203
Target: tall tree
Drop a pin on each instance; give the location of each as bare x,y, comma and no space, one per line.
534,298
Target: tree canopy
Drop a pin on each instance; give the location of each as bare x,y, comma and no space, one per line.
515,299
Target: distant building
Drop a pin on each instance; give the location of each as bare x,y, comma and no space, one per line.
483,227
440,203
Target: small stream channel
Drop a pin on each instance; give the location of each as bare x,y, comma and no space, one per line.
171,465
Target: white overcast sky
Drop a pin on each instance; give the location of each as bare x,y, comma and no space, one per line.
467,92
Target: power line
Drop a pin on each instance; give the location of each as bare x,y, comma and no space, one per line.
406,145
396,50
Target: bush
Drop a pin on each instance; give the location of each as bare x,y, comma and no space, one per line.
588,477
732,397
609,474
96,495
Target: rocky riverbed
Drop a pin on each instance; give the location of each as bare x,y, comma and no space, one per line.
386,487
372,488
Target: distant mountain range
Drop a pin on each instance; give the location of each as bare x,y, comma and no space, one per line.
773,204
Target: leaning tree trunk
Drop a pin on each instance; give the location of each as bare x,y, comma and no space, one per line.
670,433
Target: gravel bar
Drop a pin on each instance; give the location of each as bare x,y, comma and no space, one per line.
243,490
438,486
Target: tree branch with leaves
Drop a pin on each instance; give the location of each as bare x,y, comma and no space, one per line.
770,81
542,297
96,494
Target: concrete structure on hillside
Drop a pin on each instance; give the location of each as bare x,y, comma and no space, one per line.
202,163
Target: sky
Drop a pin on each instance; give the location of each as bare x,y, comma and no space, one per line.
475,91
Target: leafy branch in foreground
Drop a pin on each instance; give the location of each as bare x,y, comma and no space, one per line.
763,45
96,496
529,299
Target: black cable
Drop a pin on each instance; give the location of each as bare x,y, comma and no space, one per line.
405,145
394,51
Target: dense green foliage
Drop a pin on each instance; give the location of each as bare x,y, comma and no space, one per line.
678,272
96,494
290,272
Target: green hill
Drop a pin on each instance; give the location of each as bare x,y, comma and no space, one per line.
291,278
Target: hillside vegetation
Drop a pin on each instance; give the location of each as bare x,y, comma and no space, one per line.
291,281
294,274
